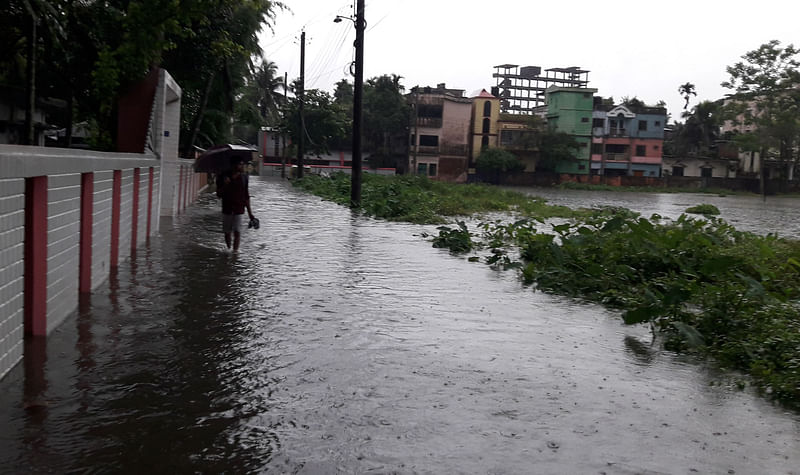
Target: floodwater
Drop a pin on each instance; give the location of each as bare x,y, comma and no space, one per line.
334,343
776,214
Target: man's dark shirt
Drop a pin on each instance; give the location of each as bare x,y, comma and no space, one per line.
234,195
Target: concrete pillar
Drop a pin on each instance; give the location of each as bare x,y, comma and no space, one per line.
87,223
36,256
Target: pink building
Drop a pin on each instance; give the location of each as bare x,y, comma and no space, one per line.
439,137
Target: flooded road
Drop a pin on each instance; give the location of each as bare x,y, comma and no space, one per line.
335,343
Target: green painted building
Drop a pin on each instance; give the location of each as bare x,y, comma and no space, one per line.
569,109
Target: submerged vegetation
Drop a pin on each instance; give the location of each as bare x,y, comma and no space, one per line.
704,209
700,284
416,199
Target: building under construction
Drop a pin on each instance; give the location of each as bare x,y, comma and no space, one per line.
522,89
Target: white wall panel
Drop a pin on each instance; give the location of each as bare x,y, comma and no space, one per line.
12,267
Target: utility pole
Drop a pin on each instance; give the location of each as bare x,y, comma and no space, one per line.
413,170
29,137
301,97
358,88
283,135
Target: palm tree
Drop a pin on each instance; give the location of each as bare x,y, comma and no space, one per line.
269,91
687,90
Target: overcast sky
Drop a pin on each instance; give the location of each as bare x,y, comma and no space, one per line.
638,48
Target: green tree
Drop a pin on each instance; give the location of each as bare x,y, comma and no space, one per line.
495,164
767,95
343,95
554,148
386,114
29,27
269,89
219,55
687,90
325,122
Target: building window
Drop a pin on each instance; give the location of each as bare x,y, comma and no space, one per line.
413,140
584,144
598,123
641,150
642,125
581,167
677,171
584,119
657,123
432,169
616,148
706,172
428,140
422,169
487,109
506,138
484,142
597,149
486,123
655,147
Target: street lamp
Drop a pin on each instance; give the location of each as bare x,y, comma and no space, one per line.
358,88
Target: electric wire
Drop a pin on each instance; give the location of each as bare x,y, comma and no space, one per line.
327,55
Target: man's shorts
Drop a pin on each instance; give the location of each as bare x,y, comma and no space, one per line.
232,223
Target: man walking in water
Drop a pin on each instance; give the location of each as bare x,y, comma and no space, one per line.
232,188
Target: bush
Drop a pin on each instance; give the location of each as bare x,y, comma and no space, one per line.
704,209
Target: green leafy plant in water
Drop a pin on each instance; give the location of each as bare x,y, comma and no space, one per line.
700,284
458,240
704,209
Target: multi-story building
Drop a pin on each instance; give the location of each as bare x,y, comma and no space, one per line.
439,135
569,110
484,131
627,140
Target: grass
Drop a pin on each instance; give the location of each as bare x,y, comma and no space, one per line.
416,199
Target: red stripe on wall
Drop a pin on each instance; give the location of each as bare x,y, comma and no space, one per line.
116,197
35,292
180,187
188,191
149,202
135,209
87,210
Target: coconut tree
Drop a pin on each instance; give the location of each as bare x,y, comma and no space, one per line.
687,90
269,89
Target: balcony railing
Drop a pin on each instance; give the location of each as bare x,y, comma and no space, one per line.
617,133
618,157
433,122
428,150
428,100
453,149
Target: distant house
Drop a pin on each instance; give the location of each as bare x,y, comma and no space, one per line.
711,167
569,110
12,116
627,140
750,163
439,134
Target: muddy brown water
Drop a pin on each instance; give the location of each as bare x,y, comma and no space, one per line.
335,343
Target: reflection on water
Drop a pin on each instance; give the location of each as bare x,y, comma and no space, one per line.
642,353
335,343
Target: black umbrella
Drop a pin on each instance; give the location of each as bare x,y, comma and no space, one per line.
217,159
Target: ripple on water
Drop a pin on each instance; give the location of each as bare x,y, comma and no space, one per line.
334,342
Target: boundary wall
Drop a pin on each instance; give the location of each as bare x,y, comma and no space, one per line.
68,218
